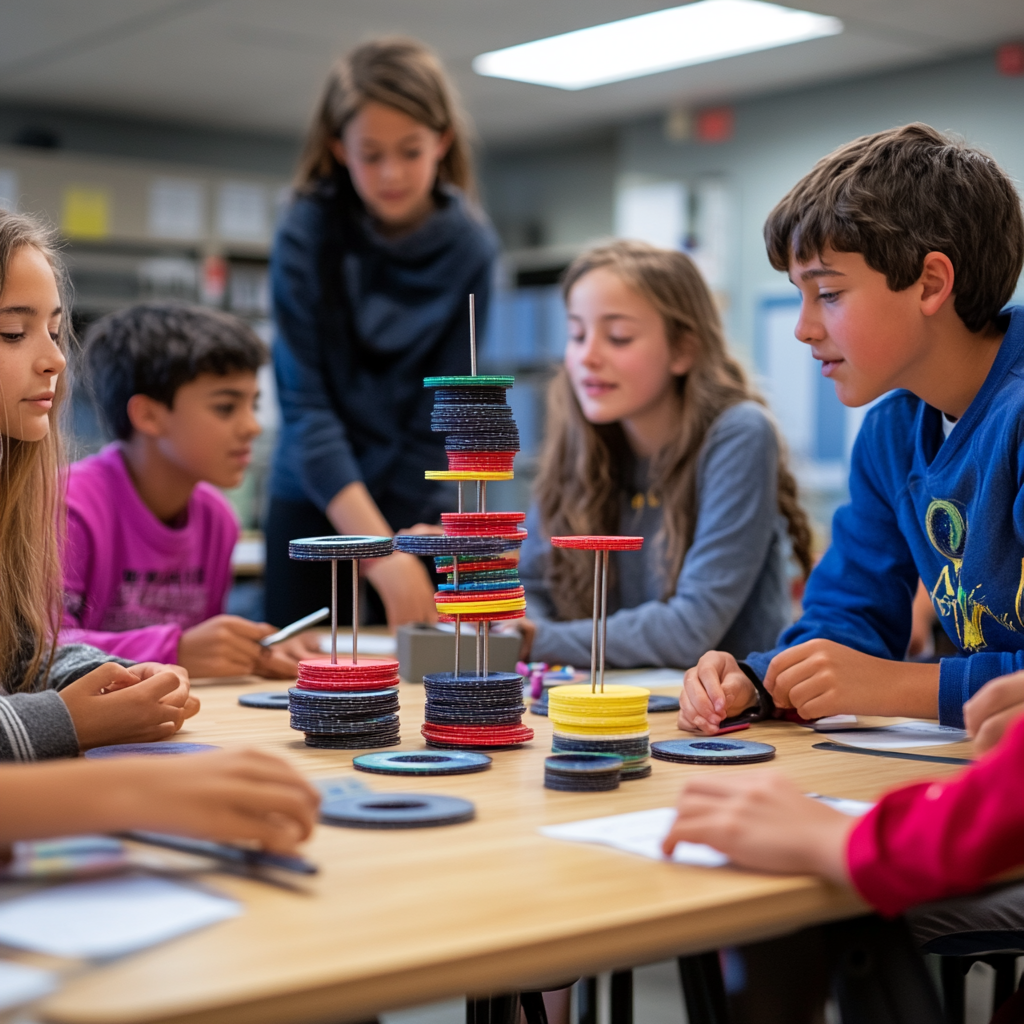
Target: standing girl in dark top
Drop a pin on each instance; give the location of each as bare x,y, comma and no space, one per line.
370,274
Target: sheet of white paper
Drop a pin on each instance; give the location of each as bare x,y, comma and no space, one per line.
641,832
370,643
20,984
651,677
109,917
906,734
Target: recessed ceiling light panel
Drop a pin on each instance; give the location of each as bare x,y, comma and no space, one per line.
675,38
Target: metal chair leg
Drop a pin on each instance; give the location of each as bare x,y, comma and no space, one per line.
703,989
622,997
953,990
586,1000
493,1010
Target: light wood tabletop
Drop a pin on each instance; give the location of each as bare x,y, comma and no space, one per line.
397,918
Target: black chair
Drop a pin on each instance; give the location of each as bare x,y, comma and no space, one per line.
961,952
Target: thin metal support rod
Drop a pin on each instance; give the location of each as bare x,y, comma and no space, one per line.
458,618
604,615
482,502
479,495
334,611
479,650
593,638
461,497
355,611
472,334
487,647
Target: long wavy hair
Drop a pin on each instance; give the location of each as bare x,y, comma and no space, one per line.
399,73
30,576
583,465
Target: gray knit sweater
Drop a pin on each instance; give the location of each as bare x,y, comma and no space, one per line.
36,725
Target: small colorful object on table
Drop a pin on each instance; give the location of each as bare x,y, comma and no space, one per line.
351,704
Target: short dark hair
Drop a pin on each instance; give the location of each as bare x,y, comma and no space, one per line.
154,348
897,195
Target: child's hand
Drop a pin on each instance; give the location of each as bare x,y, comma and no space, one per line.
993,708
404,587
526,629
224,645
228,796
821,678
760,820
181,697
113,705
281,661
715,688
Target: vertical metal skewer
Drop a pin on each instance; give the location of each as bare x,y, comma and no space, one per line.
479,650
604,614
461,498
355,611
472,333
593,638
487,647
458,618
334,611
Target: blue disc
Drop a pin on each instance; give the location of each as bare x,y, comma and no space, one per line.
432,545
422,762
133,749
583,763
396,810
712,750
273,699
327,549
656,702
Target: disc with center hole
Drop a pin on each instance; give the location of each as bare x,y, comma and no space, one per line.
273,699
596,543
396,810
133,749
422,762
326,549
711,750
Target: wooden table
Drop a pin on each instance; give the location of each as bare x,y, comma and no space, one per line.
398,918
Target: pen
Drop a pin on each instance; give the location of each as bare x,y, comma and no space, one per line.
296,627
224,852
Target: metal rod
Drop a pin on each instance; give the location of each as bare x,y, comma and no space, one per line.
461,497
483,495
593,638
604,613
355,611
472,333
479,650
334,611
479,495
458,618
487,647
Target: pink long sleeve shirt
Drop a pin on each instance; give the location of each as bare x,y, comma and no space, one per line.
132,583
937,839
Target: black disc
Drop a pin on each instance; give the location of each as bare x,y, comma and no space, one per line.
271,699
397,810
656,703
712,751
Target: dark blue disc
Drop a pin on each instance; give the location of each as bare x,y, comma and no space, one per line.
656,702
327,549
712,750
134,749
582,763
422,762
396,810
272,699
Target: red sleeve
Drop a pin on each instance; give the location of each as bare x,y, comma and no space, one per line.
938,839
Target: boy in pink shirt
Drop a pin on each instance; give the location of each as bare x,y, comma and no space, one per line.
149,538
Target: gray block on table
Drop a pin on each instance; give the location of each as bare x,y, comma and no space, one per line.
424,649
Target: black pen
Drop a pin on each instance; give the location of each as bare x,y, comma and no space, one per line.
224,852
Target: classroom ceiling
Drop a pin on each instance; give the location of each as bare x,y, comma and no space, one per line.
258,64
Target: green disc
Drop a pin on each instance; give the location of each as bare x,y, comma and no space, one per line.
463,382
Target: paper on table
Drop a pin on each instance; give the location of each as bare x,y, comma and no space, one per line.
651,677
110,917
369,643
641,832
906,734
20,984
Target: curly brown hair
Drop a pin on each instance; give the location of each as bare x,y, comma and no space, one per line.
579,486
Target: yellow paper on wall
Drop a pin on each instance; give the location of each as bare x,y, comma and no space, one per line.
86,213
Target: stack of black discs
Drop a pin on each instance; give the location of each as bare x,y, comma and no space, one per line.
582,772
634,751
474,711
476,418
346,719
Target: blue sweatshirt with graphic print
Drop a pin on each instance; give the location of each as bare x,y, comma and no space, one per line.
949,510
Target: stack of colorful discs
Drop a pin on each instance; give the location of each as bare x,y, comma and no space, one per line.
582,773
612,722
474,711
483,524
346,706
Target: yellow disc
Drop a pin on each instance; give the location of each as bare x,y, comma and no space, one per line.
473,607
619,709
467,474
589,727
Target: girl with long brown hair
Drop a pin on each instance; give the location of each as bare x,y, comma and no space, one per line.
654,430
370,273
100,699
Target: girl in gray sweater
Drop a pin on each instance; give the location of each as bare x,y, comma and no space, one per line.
654,430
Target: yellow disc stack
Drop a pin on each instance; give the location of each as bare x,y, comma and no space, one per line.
612,722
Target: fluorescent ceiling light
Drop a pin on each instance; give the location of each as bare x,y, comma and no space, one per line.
693,34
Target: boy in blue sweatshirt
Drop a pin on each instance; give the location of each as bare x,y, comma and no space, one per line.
905,246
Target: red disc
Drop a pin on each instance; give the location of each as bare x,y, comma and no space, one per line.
451,596
495,462
482,616
345,685
477,735
320,674
480,524
594,543
488,565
